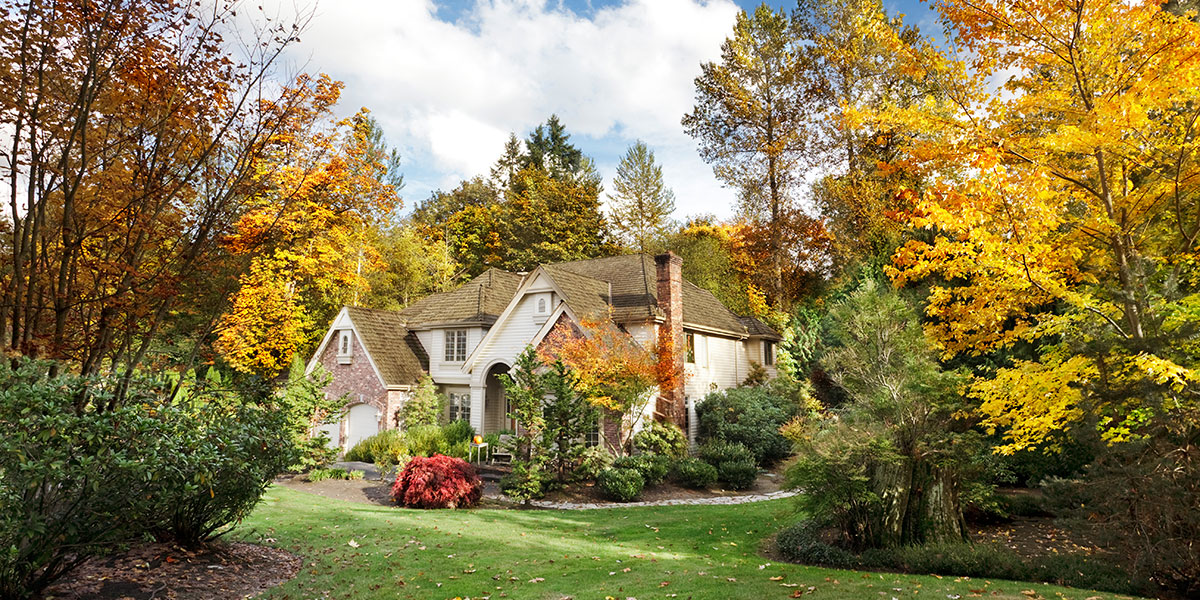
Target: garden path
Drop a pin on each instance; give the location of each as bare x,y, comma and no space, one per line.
674,502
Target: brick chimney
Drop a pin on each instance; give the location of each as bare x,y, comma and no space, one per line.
669,275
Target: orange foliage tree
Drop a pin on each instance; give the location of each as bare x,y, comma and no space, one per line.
615,372
137,139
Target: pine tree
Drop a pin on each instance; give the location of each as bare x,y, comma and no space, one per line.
640,205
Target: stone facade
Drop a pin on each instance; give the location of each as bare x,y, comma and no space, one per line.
669,271
357,381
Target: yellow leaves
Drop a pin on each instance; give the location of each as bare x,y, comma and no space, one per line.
1032,400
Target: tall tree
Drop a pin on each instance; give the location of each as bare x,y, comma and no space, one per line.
750,121
307,240
640,205
136,139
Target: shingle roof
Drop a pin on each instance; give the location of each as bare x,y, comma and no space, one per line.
759,329
587,296
480,300
393,348
634,282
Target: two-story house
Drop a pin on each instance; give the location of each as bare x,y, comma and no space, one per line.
466,338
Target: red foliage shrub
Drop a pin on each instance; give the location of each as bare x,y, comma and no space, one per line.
437,482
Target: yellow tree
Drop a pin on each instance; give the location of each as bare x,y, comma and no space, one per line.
309,238
1061,208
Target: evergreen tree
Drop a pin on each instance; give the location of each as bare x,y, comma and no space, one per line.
640,205
569,418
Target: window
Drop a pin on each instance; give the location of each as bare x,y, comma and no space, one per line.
460,407
691,347
768,353
456,345
345,348
592,439
541,307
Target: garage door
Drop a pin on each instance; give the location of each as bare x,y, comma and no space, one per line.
362,421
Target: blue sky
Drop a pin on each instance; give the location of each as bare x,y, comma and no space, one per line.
449,79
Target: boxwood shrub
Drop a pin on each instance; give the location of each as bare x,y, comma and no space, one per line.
621,485
737,474
695,473
651,467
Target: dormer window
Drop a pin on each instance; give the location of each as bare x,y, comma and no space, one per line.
345,347
456,346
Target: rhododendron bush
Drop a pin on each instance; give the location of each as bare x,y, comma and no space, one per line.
437,482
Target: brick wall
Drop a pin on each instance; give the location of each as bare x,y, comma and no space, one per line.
356,380
669,271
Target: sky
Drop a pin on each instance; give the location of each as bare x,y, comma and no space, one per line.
448,80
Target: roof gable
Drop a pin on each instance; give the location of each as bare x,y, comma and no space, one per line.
394,350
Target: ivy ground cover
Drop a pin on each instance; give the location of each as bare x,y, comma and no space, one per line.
354,550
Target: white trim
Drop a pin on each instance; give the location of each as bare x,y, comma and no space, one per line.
468,365
717,332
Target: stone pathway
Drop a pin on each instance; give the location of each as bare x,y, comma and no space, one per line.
717,500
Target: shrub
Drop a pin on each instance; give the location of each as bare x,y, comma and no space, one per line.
662,438
385,447
653,469
621,485
802,543
437,482
592,461
737,474
458,431
809,543
748,416
695,473
73,483
425,440
338,474
716,452
219,459
526,482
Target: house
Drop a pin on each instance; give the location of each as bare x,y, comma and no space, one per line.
465,339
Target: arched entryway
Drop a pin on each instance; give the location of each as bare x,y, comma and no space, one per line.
495,405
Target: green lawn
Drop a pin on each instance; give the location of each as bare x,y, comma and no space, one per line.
364,551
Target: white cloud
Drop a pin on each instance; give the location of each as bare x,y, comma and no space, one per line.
447,94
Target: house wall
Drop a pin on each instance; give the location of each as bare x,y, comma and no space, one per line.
721,363
434,342
356,380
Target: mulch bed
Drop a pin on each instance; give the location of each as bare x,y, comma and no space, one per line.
154,571
590,494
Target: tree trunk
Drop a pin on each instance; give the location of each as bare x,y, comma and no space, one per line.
893,482
941,517
918,504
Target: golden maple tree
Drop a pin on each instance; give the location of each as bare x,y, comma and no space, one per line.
1060,171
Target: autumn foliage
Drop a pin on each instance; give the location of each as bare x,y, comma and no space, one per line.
437,482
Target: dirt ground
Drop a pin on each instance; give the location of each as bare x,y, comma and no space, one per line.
163,571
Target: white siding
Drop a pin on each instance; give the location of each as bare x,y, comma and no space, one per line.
434,342
508,338
721,363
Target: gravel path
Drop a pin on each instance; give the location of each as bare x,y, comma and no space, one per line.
722,500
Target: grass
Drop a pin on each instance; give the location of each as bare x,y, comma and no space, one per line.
356,550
